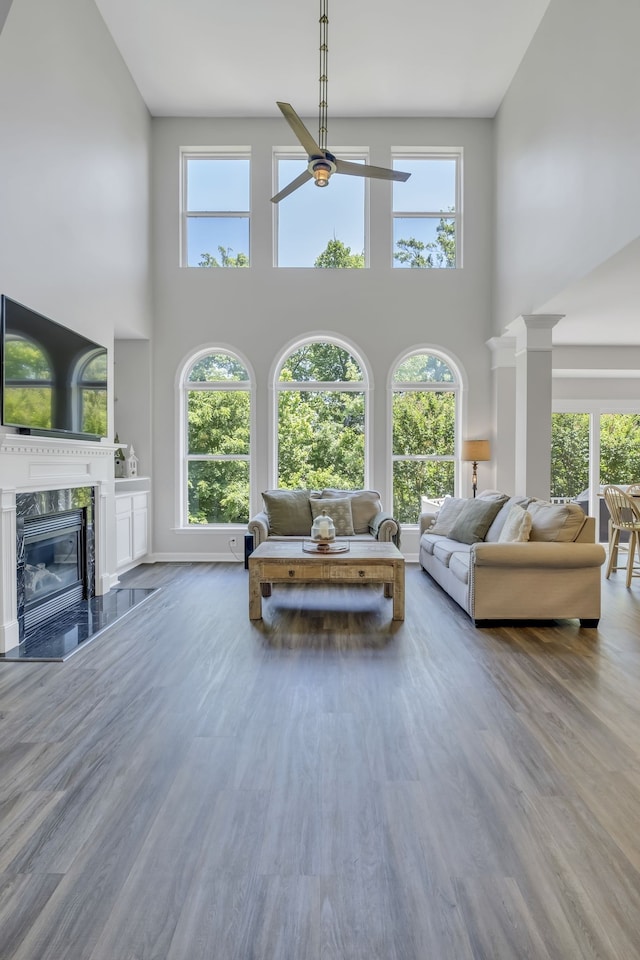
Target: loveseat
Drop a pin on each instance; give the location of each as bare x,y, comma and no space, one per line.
514,558
357,515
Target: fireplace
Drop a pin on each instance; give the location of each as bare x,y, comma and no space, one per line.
55,553
53,565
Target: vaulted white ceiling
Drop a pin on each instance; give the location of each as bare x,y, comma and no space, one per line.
453,58
419,58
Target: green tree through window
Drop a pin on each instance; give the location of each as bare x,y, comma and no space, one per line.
619,448
440,252
321,418
337,256
226,260
619,453
424,398
569,454
218,416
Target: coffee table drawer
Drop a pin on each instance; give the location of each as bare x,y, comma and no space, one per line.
291,571
376,572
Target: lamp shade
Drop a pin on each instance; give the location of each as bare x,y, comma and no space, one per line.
476,450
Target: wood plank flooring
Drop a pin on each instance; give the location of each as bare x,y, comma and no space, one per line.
323,785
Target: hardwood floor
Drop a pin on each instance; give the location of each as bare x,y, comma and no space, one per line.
323,785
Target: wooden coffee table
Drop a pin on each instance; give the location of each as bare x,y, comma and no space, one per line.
278,561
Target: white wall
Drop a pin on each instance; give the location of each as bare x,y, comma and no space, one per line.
132,400
260,310
74,172
567,153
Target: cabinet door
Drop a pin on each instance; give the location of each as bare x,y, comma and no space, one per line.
124,531
140,525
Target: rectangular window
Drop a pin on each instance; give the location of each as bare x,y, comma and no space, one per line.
618,454
426,210
215,209
619,448
320,228
569,455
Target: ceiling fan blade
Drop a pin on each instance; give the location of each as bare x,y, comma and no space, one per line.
366,170
304,176
300,130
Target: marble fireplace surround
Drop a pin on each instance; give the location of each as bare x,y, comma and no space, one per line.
37,464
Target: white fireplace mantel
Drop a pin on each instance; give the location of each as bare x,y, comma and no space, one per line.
29,464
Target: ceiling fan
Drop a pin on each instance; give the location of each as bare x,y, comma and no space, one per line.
321,163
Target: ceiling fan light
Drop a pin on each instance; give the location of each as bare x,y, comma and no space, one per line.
321,174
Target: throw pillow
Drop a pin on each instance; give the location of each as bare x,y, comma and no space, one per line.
560,522
365,504
517,526
289,512
340,512
447,516
474,520
494,531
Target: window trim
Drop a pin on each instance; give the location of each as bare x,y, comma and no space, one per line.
432,153
184,457
211,153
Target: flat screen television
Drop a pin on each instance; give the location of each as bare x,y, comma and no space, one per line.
54,381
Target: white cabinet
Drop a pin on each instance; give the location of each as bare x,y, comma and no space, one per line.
124,531
132,521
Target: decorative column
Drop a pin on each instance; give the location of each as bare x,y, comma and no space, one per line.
503,367
533,406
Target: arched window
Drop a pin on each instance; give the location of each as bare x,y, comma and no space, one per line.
216,418
321,400
424,397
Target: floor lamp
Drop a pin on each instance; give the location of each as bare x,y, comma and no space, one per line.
475,451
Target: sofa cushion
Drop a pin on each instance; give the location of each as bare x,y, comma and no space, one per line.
447,516
459,566
428,542
289,512
560,522
474,519
339,509
517,526
494,531
444,550
365,504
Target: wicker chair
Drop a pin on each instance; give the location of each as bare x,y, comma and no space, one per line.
625,517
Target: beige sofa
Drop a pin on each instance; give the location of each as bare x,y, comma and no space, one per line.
357,515
538,561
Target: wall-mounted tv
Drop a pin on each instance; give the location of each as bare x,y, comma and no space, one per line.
54,381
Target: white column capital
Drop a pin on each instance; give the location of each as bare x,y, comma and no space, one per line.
533,331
